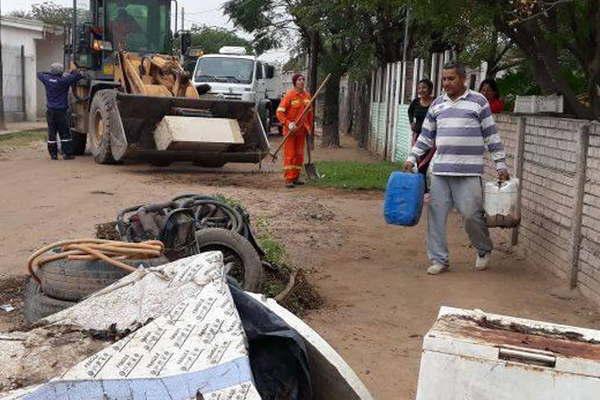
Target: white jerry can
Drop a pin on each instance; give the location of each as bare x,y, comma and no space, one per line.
479,356
500,202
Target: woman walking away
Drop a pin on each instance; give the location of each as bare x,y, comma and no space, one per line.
416,115
489,88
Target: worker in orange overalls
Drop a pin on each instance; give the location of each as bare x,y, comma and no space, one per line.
289,110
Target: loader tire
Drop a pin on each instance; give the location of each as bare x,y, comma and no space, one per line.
73,280
79,142
248,270
102,110
38,305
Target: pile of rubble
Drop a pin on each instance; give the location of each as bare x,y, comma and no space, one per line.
165,309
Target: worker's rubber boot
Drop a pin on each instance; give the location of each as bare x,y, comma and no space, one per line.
68,157
53,150
289,185
298,182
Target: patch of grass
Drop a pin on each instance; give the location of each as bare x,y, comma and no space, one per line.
230,201
22,139
352,175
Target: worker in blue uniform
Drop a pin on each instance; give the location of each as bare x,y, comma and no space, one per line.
57,85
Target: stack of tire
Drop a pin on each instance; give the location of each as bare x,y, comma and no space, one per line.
217,225
62,283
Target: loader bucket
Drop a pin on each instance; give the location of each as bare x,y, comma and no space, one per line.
133,136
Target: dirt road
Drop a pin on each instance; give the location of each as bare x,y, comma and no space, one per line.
379,301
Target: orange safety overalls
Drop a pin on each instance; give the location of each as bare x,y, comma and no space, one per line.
289,110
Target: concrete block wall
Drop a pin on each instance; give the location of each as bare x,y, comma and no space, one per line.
549,196
549,191
588,277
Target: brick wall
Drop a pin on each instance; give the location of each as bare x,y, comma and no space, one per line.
549,188
589,253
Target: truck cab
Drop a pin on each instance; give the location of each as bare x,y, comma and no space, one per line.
235,75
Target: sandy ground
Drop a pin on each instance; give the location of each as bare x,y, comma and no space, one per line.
378,300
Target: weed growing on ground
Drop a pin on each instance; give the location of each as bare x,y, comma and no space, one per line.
352,175
230,201
21,139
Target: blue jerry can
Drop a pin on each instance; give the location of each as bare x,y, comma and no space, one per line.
404,198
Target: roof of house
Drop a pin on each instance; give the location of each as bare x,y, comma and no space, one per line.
29,24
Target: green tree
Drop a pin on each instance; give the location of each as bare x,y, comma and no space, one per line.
559,38
211,39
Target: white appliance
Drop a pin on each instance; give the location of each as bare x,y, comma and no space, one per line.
472,355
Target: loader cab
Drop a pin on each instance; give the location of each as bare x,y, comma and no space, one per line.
106,26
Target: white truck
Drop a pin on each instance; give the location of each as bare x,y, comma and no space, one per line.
234,75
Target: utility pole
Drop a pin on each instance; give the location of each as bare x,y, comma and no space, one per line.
182,18
2,124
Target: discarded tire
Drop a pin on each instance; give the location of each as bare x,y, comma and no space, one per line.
75,279
38,305
244,261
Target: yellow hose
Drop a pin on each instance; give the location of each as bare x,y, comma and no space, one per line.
111,251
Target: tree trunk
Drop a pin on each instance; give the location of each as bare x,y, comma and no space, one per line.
331,133
313,61
363,113
313,64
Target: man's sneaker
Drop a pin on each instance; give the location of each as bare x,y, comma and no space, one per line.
68,157
437,269
481,264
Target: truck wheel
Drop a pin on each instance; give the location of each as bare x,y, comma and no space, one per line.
37,305
79,142
268,117
246,267
75,279
103,106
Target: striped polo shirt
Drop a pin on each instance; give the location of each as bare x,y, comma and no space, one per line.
462,130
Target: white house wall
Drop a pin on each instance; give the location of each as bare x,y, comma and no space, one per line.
49,50
35,38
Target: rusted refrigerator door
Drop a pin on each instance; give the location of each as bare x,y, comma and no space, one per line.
479,356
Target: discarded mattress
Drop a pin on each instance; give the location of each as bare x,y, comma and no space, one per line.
179,330
193,343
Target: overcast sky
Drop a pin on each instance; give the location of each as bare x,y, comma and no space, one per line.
205,12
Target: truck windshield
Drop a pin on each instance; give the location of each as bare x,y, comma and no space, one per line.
140,26
224,69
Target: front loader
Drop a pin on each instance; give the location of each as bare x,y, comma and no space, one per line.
137,102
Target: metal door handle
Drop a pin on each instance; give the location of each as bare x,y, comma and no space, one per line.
527,356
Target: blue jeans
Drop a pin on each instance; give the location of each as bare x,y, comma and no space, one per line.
465,193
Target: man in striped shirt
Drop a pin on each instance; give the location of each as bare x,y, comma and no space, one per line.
461,125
